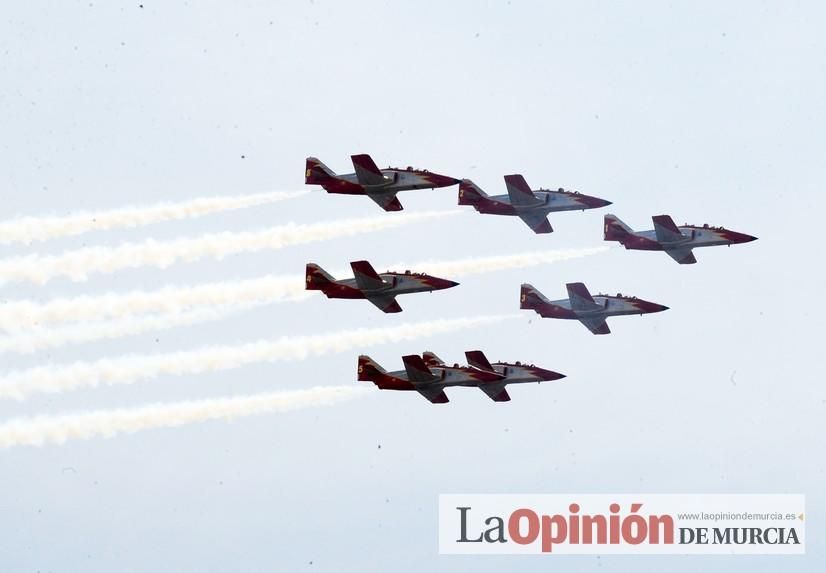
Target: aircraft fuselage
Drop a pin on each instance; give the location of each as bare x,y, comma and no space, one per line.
397,283
692,237
608,306
550,201
396,180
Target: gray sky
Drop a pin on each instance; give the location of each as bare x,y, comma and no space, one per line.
711,113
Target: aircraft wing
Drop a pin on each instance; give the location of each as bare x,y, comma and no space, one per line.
431,359
366,276
596,324
537,220
385,302
435,394
666,230
683,256
580,298
477,359
366,170
417,370
519,192
386,201
496,392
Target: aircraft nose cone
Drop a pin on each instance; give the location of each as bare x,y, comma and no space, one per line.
443,283
594,202
646,306
546,375
736,237
443,180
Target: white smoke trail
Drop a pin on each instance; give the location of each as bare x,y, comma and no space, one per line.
133,368
23,314
26,314
41,430
31,229
31,341
77,265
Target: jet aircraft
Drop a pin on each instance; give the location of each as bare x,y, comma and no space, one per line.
580,305
530,206
429,375
677,242
380,289
381,185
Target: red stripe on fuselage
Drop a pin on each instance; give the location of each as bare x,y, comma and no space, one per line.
488,207
337,290
547,310
640,243
343,187
385,382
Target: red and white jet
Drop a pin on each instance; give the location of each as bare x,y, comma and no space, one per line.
530,206
380,289
677,242
580,305
381,185
429,375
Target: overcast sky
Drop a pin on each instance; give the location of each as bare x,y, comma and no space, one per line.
711,112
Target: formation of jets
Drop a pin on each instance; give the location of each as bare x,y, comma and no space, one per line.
429,375
382,185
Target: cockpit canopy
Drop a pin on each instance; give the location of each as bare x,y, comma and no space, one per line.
408,168
706,226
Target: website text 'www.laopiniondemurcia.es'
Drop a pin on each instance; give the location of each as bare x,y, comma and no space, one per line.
622,524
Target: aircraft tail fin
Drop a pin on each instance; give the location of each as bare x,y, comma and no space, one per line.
530,298
470,193
316,173
615,230
368,369
317,278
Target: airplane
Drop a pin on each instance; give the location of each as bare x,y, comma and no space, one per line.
429,376
580,305
677,242
530,206
380,289
512,373
381,185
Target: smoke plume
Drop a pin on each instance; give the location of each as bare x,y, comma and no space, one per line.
40,430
